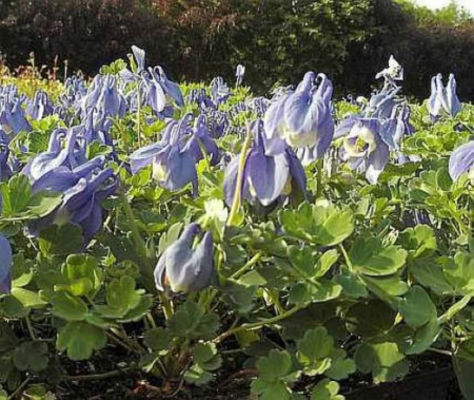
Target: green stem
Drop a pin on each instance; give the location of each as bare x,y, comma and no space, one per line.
138,121
240,176
256,325
346,256
319,177
130,342
146,268
29,325
166,305
95,377
248,265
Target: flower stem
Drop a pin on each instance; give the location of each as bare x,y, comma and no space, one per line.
138,121
240,176
346,256
319,176
256,325
146,268
248,265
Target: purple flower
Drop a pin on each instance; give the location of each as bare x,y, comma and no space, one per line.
5,169
271,170
303,118
84,188
12,116
105,97
365,148
71,156
173,163
462,160
184,268
40,106
220,92
6,261
443,98
201,140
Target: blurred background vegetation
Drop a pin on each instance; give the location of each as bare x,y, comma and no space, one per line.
277,40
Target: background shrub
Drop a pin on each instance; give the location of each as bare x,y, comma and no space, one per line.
199,39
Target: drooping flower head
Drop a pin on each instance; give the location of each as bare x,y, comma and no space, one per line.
462,160
183,268
220,92
443,98
174,163
84,188
303,118
271,170
40,106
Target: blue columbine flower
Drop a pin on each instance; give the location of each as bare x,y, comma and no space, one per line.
173,163
40,106
443,98
365,147
303,118
5,169
84,188
71,156
462,160
220,92
184,268
6,261
271,170
12,116
201,140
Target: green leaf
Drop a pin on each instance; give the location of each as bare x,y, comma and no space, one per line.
157,339
121,293
169,237
22,271
370,319
352,285
205,354
15,194
326,390
420,241
464,372
83,274
274,366
190,322
341,369
322,223
60,240
460,274
270,390
383,360
31,356
68,307
27,298
197,375
317,292
325,262
80,339
314,351
369,257
417,308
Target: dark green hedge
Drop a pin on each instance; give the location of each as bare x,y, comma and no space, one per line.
277,40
